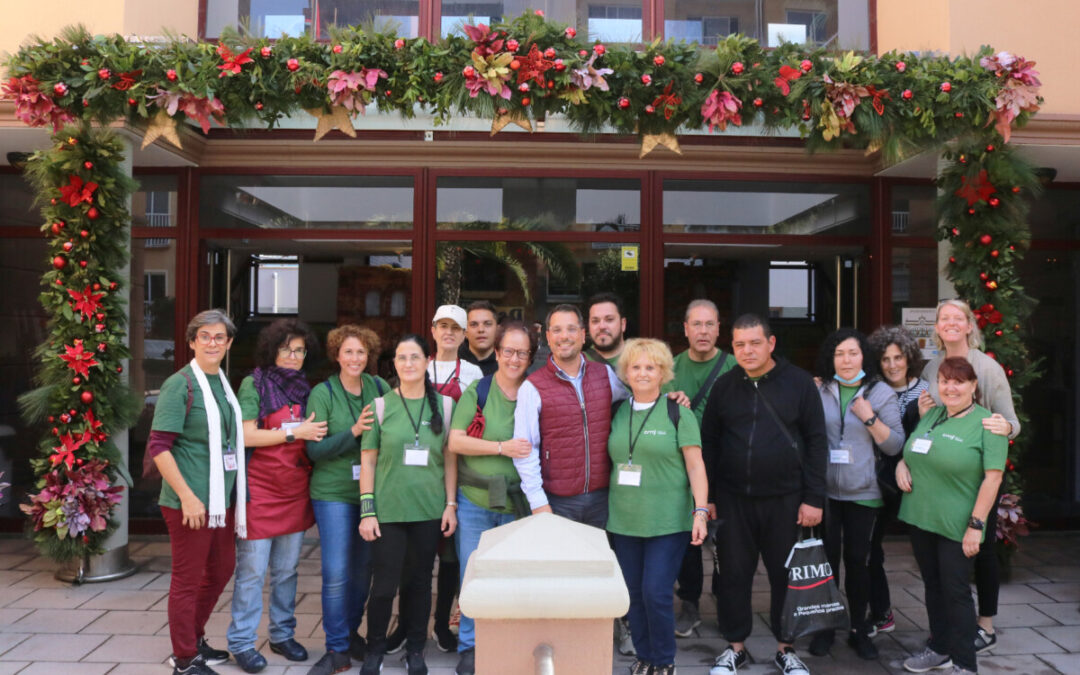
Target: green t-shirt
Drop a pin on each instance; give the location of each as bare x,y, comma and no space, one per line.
333,458
690,375
406,493
191,449
596,356
946,480
498,426
662,504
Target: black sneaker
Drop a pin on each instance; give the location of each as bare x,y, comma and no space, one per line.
729,661
290,649
357,647
213,657
330,663
445,640
984,641
641,668
822,642
414,663
372,663
862,645
395,641
250,660
466,664
197,666
789,663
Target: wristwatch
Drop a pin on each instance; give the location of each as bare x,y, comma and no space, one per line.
289,436
976,524
870,422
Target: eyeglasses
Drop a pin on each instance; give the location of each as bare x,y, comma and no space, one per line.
511,353
207,338
294,353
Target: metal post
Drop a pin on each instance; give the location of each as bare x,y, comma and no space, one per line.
544,657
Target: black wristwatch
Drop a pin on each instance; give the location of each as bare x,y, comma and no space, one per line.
976,524
289,437
870,422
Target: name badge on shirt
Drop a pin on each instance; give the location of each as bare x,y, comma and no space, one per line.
629,475
416,454
921,446
841,455
356,472
230,459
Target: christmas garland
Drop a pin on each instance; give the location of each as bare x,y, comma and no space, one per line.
516,72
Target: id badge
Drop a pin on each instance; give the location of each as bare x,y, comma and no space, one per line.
416,454
285,426
921,446
841,455
356,472
230,459
629,475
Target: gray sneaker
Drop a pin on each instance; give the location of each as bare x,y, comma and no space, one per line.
688,619
623,639
927,660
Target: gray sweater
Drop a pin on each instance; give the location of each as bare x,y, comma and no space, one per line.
858,478
994,392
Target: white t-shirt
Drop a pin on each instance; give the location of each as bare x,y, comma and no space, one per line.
442,371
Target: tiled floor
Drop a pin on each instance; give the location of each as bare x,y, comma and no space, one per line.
120,628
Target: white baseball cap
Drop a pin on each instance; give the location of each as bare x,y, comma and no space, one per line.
452,312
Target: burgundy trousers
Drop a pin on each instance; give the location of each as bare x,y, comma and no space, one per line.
203,561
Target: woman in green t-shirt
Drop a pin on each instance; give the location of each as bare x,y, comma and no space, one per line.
344,403
657,499
406,503
950,474
488,484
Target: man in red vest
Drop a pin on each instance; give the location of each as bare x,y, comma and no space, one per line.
564,410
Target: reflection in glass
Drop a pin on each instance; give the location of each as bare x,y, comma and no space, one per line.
914,279
308,202
277,18
837,23
1056,214
766,208
913,210
565,204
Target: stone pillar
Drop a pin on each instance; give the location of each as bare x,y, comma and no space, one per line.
543,592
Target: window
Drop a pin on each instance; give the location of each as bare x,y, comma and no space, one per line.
791,290
814,22
276,18
843,24
275,284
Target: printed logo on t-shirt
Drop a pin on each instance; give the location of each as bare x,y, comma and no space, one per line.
953,437
654,432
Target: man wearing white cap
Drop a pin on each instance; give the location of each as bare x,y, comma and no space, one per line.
448,373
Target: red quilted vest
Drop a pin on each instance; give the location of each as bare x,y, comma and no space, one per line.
573,451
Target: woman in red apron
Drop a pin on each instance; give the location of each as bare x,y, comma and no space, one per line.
273,402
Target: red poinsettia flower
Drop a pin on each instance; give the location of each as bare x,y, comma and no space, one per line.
78,359
127,80
65,452
93,424
977,190
787,74
86,301
232,64
987,315
76,192
533,66
668,100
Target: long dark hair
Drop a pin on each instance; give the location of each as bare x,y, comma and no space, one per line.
429,388
826,367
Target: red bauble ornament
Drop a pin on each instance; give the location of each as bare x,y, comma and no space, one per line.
104,73
806,65
571,32
92,213
101,347
559,65
84,233
88,165
399,44
60,88
955,232
56,227
991,285
99,328
738,67
994,202
526,100
1016,189
646,79
523,87
100,316
985,240
512,45
51,419
293,64
170,75
298,89
599,49
549,53
437,77
962,159
58,282
119,369
76,380
1009,372
971,212
265,52
958,114
87,397
73,412
514,65
984,276
97,287
132,101
758,102
113,285
999,332
65,418
952,259
82,264
68,246
994,253
699,78
990,147
55,431
59,262
649,109
992,355
658,60
946,87
258,105
470,72
624,103
906,94
337,49
901,66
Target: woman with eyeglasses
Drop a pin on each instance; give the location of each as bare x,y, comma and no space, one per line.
957,333
406,502
273,405
197,443
482,438
343,402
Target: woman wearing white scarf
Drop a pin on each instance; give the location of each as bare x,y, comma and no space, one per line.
197,443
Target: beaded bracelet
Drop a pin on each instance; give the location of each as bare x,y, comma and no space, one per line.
700,509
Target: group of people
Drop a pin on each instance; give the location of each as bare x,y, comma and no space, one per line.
658,450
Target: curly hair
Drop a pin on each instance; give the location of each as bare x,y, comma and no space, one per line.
279,334
367,337
825,367
884,336
656,351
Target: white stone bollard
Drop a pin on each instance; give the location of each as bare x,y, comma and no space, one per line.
543,581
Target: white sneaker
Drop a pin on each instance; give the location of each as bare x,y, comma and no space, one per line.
729,661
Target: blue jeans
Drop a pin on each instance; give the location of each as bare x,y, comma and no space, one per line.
650,566
253,556
473,521
590,508
346,571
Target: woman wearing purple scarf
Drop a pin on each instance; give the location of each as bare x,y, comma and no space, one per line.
273,402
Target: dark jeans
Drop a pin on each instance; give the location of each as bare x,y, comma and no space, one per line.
408,547
202,564
691,575
746,528
590,508
649,566
880,601
946,574
848,527
987,571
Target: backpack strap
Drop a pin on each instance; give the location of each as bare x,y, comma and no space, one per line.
483,388
673,412
448,411
190,393
706,386
378,386
615,407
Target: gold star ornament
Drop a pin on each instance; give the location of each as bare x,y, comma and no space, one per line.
161,126
337,118
650,141
504,119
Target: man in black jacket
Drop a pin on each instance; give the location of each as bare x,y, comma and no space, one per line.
765,449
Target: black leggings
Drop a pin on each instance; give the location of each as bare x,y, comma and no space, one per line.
848,527
409,547
946,574
987,581
880,600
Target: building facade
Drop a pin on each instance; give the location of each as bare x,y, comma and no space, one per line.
383,228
